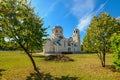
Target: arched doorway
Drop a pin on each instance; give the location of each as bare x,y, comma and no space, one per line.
69,49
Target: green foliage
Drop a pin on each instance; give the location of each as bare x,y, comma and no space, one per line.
99,33
1,40
118,19
19,23
115,42
8,45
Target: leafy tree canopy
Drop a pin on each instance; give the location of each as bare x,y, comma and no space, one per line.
99,33
19,23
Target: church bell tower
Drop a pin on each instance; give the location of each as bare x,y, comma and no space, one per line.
76,36
76,39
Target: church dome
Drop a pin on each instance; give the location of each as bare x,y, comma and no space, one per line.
57,31
58,27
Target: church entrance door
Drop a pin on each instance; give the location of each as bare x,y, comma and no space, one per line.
69,49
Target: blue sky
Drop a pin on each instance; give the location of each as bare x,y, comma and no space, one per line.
71,14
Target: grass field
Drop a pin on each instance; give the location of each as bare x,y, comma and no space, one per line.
17,66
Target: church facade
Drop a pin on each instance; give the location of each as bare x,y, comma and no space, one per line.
57,43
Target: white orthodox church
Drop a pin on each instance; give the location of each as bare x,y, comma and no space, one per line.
57,43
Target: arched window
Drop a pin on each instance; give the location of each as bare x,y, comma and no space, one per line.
60,31
76,31
64,44
56,31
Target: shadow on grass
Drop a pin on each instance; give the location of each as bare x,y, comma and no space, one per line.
1,70
112,68
42,76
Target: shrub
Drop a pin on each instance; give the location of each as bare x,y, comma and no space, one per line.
66,52
115,42
58,58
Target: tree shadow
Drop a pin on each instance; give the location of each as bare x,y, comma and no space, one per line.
112,68
1,70
42,76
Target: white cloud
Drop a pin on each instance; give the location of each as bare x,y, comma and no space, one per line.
82,7
84,22
101,7
84,11
51,8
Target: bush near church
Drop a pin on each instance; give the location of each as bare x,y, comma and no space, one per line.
58,58
115,40
66,53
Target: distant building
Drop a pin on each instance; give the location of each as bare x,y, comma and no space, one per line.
57,43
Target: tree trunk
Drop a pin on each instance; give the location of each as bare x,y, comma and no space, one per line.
103,59
32,60
103,53
101,56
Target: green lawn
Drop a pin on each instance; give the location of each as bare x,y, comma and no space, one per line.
17,66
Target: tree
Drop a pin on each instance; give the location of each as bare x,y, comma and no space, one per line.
1,40
118,19
99,33
19,22
115,42
88,42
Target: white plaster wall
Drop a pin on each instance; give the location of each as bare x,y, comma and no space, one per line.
50,47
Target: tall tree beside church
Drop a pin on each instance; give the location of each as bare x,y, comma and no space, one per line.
99,33
22,25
